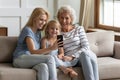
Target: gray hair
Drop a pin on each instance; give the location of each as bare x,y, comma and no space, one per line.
68,9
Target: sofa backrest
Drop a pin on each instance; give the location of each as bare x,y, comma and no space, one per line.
7,46
102,43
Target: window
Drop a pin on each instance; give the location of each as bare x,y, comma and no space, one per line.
107,14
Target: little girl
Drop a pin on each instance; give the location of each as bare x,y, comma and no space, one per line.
53,29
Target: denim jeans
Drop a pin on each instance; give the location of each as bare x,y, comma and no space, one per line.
60,62
44,64
88,61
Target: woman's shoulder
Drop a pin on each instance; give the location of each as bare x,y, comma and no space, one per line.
78,27
26,28
26,31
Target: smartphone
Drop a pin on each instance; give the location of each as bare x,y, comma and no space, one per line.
60,37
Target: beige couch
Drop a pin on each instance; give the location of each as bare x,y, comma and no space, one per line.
102,43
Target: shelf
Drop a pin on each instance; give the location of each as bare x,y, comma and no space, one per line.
3,31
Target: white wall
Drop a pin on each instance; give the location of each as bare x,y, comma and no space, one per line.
15,13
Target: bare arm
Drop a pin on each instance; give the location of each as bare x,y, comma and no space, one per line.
31,47
61,53
43,43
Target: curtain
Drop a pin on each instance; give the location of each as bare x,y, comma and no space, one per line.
85,12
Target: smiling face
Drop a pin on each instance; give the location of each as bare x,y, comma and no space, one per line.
65,20
66,16
40,21
52,29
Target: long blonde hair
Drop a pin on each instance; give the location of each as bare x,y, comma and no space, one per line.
36,13
52,22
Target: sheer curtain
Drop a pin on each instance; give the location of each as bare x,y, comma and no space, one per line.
85,12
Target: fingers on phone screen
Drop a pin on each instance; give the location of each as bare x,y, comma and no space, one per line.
60,40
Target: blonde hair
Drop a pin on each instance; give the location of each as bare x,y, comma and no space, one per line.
52,22
67,9
36,13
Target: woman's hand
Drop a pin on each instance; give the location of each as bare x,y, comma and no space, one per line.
60,56
68,58
60,43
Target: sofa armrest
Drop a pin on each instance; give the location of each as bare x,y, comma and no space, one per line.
117,49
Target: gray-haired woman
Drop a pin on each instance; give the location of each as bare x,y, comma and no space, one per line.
76,45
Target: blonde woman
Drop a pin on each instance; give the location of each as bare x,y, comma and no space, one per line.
28,53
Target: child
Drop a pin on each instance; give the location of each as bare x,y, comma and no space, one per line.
53,29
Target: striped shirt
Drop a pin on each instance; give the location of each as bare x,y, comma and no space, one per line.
75,41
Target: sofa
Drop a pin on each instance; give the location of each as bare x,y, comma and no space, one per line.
101,43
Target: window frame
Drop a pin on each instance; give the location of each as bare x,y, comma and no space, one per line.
96,19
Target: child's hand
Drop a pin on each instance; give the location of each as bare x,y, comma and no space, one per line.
67,58
60,56
55,45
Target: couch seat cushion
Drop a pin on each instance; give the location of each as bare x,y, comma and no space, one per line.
109,67
7,72
8,44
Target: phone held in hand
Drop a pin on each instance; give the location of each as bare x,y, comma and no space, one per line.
60,38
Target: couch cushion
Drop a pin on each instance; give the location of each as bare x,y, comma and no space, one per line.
101,43
109,68
7,72
7,46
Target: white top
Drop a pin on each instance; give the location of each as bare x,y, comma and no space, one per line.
75,41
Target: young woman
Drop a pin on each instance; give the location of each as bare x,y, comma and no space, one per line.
76,44
51,31
28,53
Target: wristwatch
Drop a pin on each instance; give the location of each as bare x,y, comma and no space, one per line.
73,56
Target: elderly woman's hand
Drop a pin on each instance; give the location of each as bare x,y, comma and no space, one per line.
60,56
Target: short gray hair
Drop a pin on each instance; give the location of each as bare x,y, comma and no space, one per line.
68,9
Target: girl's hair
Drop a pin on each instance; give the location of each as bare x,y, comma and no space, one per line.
51,23
67,9
36,13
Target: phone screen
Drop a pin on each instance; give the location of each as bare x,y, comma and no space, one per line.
60,37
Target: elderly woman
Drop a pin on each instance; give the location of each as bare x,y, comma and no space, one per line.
76,45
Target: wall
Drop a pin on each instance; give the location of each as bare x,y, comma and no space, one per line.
15,13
